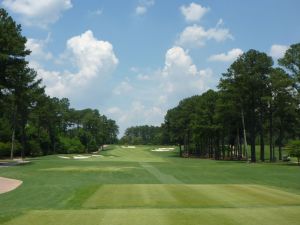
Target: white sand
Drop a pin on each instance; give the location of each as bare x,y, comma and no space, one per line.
81,157
162,150
97,155
64,157
127,146
7,184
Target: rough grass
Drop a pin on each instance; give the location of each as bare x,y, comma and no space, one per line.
137,186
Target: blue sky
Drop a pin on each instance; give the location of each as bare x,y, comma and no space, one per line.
135,59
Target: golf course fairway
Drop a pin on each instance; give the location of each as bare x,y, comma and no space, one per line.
137,186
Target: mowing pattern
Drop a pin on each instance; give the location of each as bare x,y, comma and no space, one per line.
161,177
189,196
224,216
140,187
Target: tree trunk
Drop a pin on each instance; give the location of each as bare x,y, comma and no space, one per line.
271,137
188,144
185,146
252,140
23,141
12,144
13,133
23,135
180,150
245,136
218,152
239,149
262,142
223,147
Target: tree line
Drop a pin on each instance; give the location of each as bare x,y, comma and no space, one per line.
33,123
144,135
255,103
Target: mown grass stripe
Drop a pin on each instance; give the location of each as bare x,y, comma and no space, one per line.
224,216
161,177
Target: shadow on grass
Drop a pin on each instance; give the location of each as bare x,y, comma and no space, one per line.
287,164
10,216
15,163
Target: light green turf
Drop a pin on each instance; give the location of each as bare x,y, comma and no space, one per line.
141,187
215,216
188,196
89,169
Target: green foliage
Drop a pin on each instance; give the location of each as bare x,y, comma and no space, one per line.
193,124
255,101
5,129
293,148
5,148
34,148
291,61
143,135
70,145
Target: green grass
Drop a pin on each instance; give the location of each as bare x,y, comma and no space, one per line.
188,196
208,216
138,186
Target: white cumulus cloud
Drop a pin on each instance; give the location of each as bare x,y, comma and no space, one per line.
230,56
178,63
37,48
197,36
38,13
278,51
194,12
181,77
92,58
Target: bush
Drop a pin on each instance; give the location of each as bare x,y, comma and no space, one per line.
286,158
70,145
34,148
293,148
92,146
5,148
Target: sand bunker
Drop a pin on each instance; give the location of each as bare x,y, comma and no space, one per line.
7,184
75,157
162,150
127,146
97,155
81,157
64,157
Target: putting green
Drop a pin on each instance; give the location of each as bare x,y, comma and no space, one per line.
188,196
215,216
